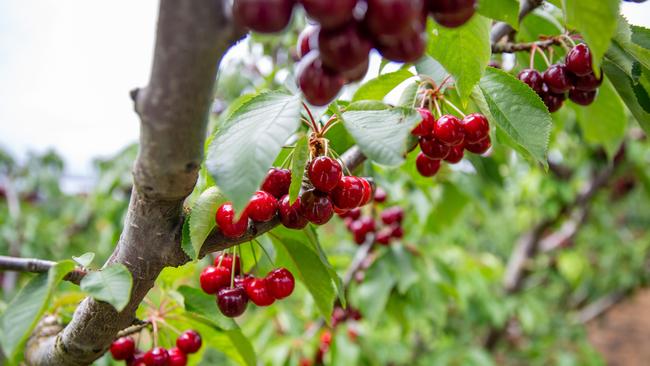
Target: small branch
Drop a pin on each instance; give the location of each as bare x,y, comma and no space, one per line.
510,47
138,325
37,266
502,29
600,306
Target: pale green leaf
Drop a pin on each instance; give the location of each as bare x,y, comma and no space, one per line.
85,259
503,10
572,266
629,92
111,284
431,68
376,89
298,164
202,218
312,236
204,305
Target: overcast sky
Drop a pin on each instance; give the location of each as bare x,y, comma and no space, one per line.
66,68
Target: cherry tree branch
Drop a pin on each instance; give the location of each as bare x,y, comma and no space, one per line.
37,266
502,29
509,47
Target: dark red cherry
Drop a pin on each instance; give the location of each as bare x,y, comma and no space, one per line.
358,232
232,301
318,84
226,261
156,357
533,78
307,40
177,357
553,101
367,191
291,216
212,279
240,281
225,219
408,47
277,182
123,348
354,213
456,154
136,360
476,128
262,207
316,207
397,232
588,82
258,292
264,16
392,16
324,173
449,130
557,79
281,283
343,48
383,237
380,195
582,97
368,224
433,148
579,61
451,13
427,167
480,147
356,73
392,215
349,193
330,14
424,128
189,341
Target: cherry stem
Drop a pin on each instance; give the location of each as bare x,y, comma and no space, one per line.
444,82
314,125
532,56
452,105
541,52
568,38
220,259
437,105
338,157
174,329
154,322
331,122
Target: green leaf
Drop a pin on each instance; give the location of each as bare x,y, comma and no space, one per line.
464,52
503,10
572,265
243,346
186,241
595,21
85,259
373,293
111,284
202,218
626,89
312,237
640,36
382,135
200,303
244,149
431,68
298,164
376,89
517,111
26,309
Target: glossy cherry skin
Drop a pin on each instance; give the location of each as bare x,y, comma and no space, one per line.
156,357
392,16
264,16
348,194
424,128
318,84
579,60
324,173
291,216
136,360
177,357
189,341
449,130
343,48
553,101
433,148
281,283
225,219
316,207
476,128
409,47
330,14
358,232
427,167
588,82
307,40
367,191
212,279
455,155
123,348
226,261
380,195
232,301
354,213
383,237
582,97
277,182
451,13
258,292
392,215
262,207
533,78
480,147
397,232
556,77
241,281
356,73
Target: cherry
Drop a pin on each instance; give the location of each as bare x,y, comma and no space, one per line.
533,78
156,357
136,360
264,16
354,213
232,301
368,224
449,130
307,40
262,207
281,283
277,182
582,97
579,61
349,193
433,149
338,316
553,101
225,220
408,47
383,237
343,48
356,73
358,231
424,128
214,278
588,82
291,215
557,79
316,207
367,191
330,14
226,262
326,338
480,147
380,195
340,212
451,13
240,281
392,215
397,232
177,357
392,16
189,341
476,127
324,173
258,292
455,155
306,362
123,348
427,167
319,84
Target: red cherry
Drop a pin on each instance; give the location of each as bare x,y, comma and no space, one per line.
232,301
588,82
324,173
343,48
340,212
553,101
358,232
354,213
367,191
226,262
318,84
291,216
425,128
480,147
225,220
123,348
392,16
306,362
189,341
476,127
348,194
258,292
214,278
452,13
264,16
427,167
383,237
380,195
307,40
579,61
281,283
392,215
330,14
177,357
456,154
356,73
557,79
533,78
262,207
240,281
136,360
449,130
433,149
582,97
408,47
156,357
326,337
277,182
397,232
316,207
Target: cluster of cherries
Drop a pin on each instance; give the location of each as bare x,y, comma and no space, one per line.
123,349
336,51
388,228
339,317
234,290
447,138
574,76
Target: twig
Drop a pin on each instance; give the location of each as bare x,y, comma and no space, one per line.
138,325
510,47
37,266
600,306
